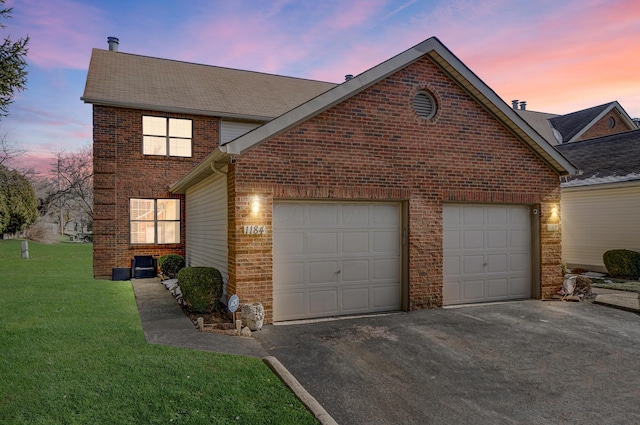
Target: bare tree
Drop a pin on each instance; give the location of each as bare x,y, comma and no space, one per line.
8,151
68,192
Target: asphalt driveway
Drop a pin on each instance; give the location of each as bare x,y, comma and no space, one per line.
525,362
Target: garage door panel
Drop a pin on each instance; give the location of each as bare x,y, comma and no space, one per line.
473,239
288,274
323,215
386,242
355,215
493,257
451,240
290,304
497,239
451,265
321,272
386,297
473,290
473,264
355,242
345,257
386,269
497,288
325,302
322,243
497,263
355,271
288,215
289,243
385,215
519,262
355,299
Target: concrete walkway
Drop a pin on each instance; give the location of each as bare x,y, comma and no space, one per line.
164,323
619,299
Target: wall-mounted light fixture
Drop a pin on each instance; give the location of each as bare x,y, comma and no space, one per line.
255,205
554,218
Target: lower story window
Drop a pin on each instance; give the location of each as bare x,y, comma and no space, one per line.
154,221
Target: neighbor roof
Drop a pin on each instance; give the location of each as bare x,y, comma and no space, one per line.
608,159
435,51
540,123
572,126
133,81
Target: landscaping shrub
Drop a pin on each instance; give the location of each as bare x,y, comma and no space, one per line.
171,264
201,288
622,263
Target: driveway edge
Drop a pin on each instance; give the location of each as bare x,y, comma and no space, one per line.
303,395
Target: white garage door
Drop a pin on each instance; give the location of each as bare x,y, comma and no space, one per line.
487,253
335,258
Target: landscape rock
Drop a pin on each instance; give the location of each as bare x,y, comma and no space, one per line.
253,316
245,331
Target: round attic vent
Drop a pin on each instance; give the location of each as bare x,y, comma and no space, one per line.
424,104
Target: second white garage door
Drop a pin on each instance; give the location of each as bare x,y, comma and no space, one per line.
487,253
335,258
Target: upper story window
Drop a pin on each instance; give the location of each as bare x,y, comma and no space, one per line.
166,136
154,221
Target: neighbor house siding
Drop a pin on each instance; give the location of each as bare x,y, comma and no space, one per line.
229,130
373,147
206,224
596,219
122,172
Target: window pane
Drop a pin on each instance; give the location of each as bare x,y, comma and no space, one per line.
154,126
168,232
168,209
142,232
154,145
179,128
141,209
180,147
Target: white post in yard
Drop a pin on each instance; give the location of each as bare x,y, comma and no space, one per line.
25,250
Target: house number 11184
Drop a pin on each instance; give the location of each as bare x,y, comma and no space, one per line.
254,230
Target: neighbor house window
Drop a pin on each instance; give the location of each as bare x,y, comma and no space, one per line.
166,136
154,221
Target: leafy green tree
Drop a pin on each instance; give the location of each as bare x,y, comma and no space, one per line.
13,65
20,201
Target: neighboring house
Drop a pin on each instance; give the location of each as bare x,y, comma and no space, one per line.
600,207
411,185
597,121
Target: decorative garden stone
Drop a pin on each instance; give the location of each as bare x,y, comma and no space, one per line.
253,316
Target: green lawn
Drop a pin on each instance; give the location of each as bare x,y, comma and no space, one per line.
72,351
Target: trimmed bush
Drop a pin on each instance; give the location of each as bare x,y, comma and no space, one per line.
171,264
201,288
622,263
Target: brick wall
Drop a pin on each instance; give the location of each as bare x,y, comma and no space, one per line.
121,172
602,128
373,147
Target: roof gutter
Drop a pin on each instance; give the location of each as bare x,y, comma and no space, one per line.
213,163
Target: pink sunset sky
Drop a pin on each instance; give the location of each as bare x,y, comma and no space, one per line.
560,56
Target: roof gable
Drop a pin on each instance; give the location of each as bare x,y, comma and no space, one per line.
572,126
608,159
126,80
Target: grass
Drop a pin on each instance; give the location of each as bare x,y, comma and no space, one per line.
72,351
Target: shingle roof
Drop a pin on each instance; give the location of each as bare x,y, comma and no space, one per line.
122,79
608,159
570,125
540,123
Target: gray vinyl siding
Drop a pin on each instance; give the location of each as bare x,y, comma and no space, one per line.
595,220
206,224
229,130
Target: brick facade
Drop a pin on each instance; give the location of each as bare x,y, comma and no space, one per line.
121,172
603,128
374,147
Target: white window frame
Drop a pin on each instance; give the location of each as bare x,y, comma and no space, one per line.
152,222
167,134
